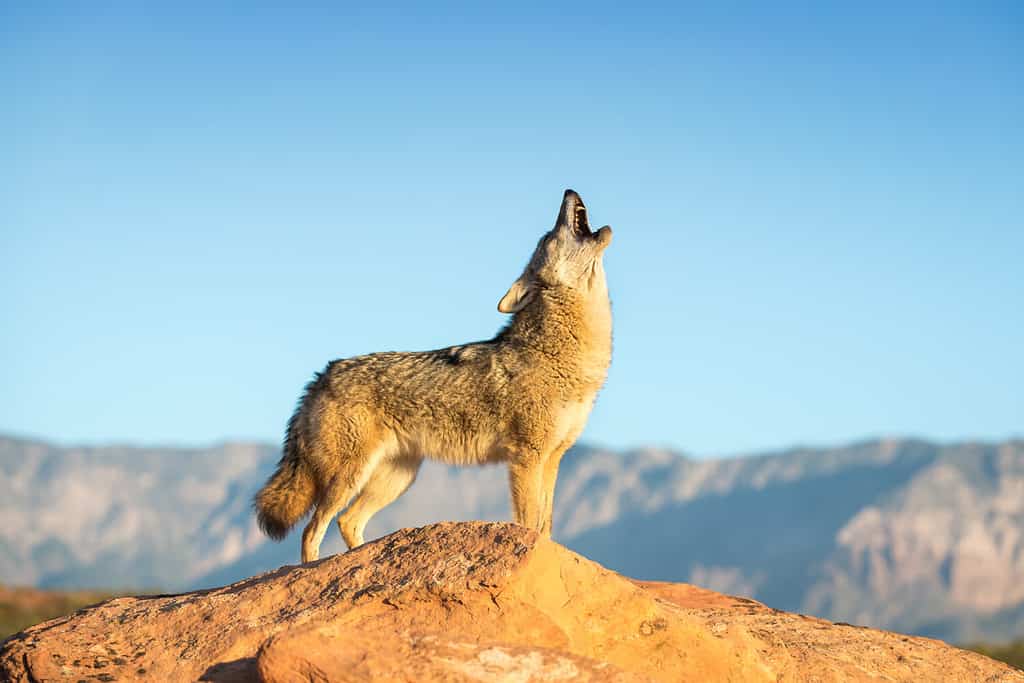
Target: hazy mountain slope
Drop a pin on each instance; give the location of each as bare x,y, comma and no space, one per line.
899,534
947,548
124,517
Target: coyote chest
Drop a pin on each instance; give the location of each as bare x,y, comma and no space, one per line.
572,418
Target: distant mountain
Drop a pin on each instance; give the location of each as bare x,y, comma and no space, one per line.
898,534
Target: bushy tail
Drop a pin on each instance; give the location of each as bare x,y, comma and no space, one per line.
289,493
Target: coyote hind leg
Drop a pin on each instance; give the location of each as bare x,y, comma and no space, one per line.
389,480
331,502
335,495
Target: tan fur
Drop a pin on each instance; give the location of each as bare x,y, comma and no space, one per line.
365,424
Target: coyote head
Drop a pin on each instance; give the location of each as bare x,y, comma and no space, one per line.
569,255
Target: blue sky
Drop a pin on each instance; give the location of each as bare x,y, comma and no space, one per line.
817,212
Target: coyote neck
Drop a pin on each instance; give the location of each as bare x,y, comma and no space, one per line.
574,330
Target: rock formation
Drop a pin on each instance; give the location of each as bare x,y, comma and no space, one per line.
467,602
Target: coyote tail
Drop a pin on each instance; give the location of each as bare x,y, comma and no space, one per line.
289,493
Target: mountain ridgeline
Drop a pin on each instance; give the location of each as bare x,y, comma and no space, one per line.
898,534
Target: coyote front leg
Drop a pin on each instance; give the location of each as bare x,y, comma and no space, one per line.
548,481
525,482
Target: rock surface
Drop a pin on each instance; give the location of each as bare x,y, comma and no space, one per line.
467,602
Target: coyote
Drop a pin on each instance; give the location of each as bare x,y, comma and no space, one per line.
364,424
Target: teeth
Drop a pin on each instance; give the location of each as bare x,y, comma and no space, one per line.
580,225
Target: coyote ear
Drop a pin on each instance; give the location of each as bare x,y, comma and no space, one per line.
517,296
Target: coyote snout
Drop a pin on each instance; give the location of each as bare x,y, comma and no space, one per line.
364,424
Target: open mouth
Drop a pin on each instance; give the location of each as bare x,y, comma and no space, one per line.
580,224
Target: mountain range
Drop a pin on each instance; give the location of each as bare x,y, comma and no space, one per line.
901,534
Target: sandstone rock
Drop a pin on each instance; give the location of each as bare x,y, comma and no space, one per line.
467,602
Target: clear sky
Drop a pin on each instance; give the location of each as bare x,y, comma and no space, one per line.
817,212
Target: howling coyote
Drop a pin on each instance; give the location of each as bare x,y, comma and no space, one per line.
364,424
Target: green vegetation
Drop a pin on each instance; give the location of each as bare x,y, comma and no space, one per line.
1011,653
24,607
